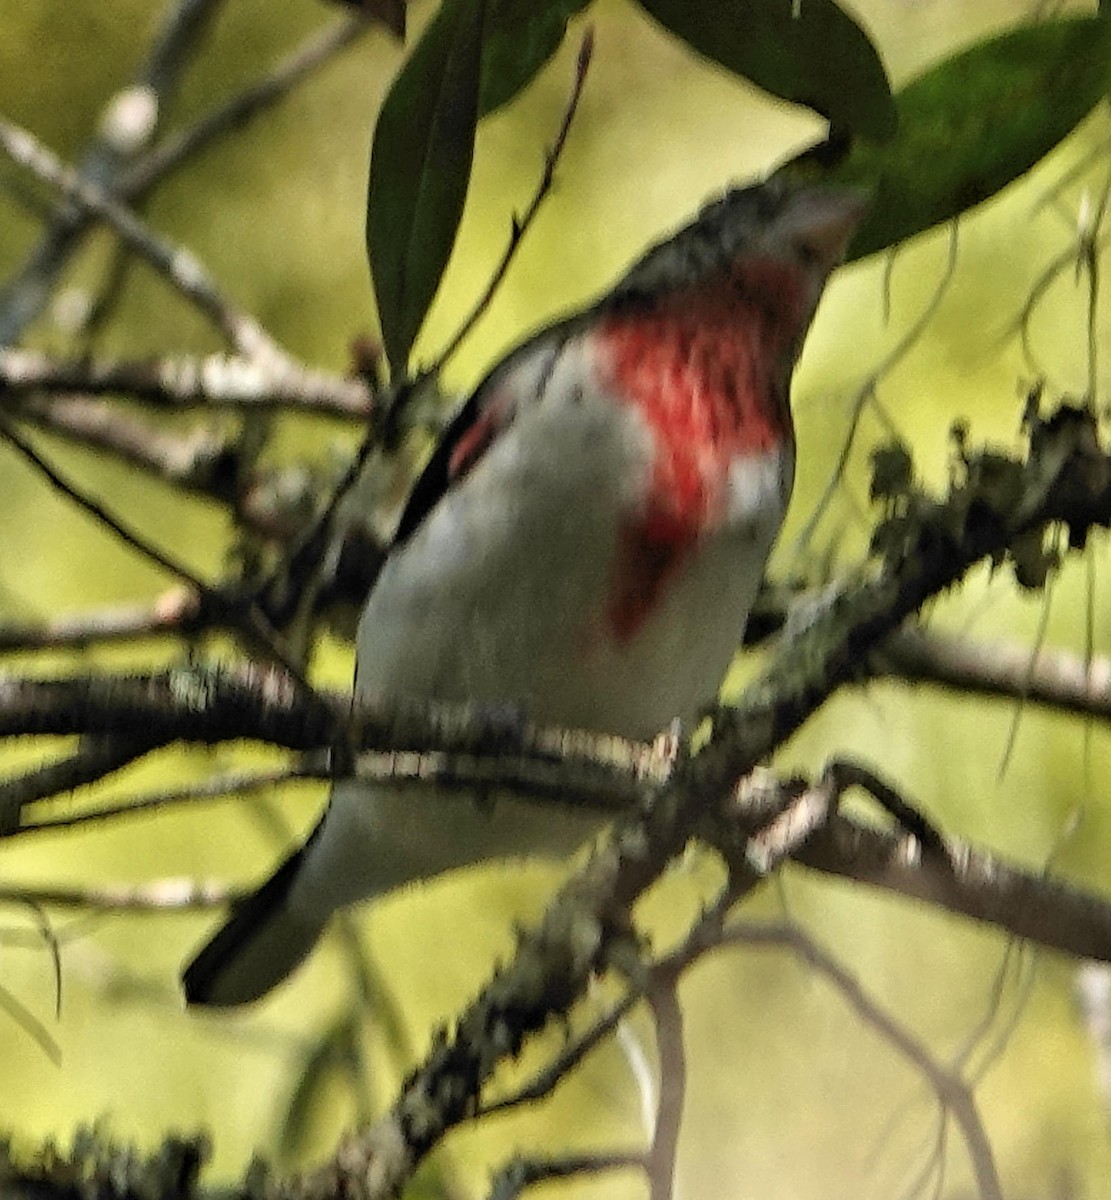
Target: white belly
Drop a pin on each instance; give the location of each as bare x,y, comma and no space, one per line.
500,596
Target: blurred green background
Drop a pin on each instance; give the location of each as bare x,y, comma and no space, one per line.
789,1095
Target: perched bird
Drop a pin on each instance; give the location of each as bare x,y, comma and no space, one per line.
584,545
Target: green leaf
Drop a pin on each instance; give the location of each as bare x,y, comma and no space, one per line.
975,122
807,51
520,37
420,166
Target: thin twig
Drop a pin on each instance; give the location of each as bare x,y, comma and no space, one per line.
247,619
522,1173
1090,257
521,225
1053,192
867,392
316,51
18,1012
97,510
1019,960
1018,706
48,936
297,575
545,1081
1023,322
950,1089
232,784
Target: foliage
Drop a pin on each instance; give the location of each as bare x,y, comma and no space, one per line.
295,563
944,143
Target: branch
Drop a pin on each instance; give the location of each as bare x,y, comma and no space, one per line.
127,173
96,758
311,769
199,460
962,879
1053,677
177,610
128,123
232,611
215,381
207,706
178,266
545,1081
667,1019
130,537
161,895
458,747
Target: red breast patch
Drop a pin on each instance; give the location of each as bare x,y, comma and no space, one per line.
702,367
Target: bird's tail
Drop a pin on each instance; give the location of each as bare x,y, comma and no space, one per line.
262,941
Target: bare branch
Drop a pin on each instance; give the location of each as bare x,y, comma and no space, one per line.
198,460
312,769
245,701
96,758
948,873
176,611
127,125
1049,676
162,895
215,381
177,265
116,161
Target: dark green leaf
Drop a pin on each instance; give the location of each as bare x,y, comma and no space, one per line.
807,51
520,37
977,121
420,166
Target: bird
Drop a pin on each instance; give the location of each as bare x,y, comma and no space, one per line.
584,546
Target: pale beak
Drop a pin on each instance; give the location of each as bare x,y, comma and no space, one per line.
823,220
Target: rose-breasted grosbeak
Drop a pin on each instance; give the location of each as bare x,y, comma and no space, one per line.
585,543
